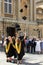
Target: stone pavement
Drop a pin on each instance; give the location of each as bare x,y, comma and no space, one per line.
28,59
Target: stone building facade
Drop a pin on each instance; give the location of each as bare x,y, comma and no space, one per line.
24,12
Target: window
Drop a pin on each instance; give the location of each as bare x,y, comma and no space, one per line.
9,0
6,0
7,6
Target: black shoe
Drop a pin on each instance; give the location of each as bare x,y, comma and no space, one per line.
8,60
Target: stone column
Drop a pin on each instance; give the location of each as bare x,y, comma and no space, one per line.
18,9
31,7
0,7
34,10
28,10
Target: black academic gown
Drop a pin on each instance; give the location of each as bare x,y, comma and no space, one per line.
20,56
12,50
9,53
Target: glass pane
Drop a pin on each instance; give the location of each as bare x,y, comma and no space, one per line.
6,0
5,7
9,8
9,0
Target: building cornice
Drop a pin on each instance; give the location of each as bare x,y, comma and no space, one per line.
6,19
39,1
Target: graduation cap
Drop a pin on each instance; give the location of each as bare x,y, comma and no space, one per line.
21,10
25,6
24,17
17,27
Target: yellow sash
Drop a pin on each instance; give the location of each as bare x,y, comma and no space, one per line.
18,48
13,45
7,47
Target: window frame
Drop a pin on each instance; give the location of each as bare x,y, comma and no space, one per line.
8,10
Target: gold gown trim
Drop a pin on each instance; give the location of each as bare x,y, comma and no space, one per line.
18,48
7,47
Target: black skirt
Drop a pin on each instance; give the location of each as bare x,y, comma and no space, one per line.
11,52
22,52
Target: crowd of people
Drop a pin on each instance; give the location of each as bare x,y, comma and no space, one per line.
34,45
16,45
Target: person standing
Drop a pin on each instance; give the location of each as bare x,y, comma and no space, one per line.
2,39
38,47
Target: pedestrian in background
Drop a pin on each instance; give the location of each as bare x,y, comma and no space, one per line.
2,38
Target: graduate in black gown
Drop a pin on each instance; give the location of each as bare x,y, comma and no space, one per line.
9,48
10,43
20,48
22,45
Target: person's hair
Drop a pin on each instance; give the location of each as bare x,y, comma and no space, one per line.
17,40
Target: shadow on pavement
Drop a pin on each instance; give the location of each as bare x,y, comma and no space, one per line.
27,63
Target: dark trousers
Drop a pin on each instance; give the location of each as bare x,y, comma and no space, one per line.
19,57
33,49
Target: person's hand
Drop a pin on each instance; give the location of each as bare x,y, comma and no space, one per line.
4,44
